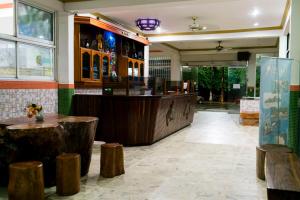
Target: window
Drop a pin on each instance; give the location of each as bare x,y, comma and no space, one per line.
7,17
27,52
35,61
7,59
34,23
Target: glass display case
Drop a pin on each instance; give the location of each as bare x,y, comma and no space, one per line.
86,63
275,76
105,65
96,65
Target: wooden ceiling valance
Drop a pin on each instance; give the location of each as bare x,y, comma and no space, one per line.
109,27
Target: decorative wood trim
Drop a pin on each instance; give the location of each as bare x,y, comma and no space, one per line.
71,1
295,88
286,11
108,27
14,84
130,28
66,86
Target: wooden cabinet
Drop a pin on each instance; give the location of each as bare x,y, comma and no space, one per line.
133,68
94,65
92,38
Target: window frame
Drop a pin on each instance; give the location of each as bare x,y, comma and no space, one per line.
18,38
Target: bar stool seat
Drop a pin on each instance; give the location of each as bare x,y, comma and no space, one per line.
67,174
26,181
112,160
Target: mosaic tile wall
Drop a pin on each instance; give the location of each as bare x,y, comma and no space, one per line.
116,91
13,101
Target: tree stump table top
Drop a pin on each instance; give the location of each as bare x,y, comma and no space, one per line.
282,175
78,119
48,118
274,148
111,145
26,165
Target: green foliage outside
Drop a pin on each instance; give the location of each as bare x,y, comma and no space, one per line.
237,76
218,80
257,81
211,78
205,77
186,74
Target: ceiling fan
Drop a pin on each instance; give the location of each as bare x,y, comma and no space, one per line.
221,48
196,27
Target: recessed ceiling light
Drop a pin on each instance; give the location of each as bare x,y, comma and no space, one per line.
256,24
255,12
204,28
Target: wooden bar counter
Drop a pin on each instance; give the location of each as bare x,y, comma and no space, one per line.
136,120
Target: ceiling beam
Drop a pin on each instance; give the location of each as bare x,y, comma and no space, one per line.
218,36
70,1
231,48
91,5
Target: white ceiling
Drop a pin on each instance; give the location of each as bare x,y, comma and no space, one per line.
223,18
217,15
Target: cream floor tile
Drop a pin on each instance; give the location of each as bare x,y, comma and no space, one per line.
213,159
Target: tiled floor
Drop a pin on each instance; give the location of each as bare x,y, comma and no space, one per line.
213,159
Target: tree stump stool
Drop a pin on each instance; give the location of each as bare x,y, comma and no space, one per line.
67,174
26,181
112,160
261,155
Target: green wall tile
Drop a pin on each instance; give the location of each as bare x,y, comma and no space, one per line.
293,137
65,101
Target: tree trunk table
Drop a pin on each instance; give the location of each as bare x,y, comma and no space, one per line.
79,133
24,139
42,142
261,155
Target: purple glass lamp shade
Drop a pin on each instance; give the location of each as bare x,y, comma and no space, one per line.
147,24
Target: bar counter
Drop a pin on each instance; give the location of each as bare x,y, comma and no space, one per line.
136,120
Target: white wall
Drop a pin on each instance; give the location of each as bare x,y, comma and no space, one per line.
295,41
65,50
175,60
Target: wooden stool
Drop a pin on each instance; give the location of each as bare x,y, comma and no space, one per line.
68,174
112,160
261,154
26,181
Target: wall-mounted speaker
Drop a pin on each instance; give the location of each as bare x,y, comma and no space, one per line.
243,56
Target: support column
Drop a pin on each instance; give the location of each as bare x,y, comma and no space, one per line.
175,67
65,54
293,140
146,63
282,46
